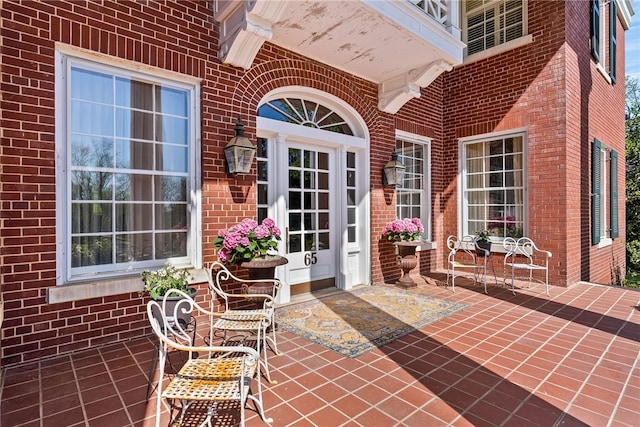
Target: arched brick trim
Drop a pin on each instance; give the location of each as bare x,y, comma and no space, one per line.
270,75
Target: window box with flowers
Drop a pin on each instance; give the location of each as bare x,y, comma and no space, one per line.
252,246
159,283
405,234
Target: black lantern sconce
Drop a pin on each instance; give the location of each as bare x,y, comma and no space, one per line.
393,171
239,152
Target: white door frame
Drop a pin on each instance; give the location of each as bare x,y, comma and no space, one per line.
353,260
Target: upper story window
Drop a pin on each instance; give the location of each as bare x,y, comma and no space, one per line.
413,196
127,144
489,23
603,36
493,189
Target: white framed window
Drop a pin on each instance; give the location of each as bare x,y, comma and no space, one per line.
604,194
493,190
491,23
127,163
603,36
413,196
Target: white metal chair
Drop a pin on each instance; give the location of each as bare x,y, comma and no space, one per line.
462,255
211,375
247,321
523,254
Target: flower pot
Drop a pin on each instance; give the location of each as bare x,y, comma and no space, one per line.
262,267
407,260
483,245
182,318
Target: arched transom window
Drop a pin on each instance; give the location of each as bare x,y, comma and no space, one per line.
305,113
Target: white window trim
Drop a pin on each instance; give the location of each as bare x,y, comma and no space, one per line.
427,242
605,225
497,50
71,288
601,63
462,215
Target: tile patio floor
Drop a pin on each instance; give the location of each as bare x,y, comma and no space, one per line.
571,359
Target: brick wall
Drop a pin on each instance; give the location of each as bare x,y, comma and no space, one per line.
520,88
176,36
550,88
596,111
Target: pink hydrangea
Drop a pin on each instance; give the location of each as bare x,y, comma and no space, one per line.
247,240
403,229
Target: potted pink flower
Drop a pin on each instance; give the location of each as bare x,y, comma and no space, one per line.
403,230
247,240
405,233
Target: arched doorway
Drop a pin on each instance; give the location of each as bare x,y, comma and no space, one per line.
313,180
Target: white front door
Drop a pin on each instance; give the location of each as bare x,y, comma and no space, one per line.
310,220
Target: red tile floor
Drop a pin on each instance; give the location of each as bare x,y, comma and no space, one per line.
570,359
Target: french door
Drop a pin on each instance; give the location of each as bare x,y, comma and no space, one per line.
310,220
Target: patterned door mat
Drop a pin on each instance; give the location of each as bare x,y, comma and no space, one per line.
355,322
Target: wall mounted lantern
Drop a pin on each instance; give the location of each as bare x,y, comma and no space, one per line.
393,171
239,152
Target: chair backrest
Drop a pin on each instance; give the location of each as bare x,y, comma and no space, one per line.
524,247
467,244
162,315
218,273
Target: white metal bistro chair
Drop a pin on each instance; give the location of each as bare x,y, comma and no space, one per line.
462,255
246,321
211,375
523,254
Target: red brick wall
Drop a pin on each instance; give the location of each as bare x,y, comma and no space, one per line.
176,36
596,110
550,88
516,89
179,36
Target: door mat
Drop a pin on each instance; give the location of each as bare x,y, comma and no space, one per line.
355,322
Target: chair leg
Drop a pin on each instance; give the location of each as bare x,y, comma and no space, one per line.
453,279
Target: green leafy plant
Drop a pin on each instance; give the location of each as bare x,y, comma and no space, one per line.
157,283
482,236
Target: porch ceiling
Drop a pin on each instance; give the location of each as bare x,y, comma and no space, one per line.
395,44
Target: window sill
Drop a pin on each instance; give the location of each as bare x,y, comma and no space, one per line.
604,72
496,50
426,246
105,288
604,242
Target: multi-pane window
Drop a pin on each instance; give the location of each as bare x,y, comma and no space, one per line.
351,197
490,23
412,198
603,30
493,186
129,150
604,193
262,157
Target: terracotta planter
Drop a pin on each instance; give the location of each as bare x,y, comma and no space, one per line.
263,267
407,260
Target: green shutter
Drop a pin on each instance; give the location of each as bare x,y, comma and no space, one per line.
595,29
613,188
595,191
613,42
